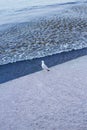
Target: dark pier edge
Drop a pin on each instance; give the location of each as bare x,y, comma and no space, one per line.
18,69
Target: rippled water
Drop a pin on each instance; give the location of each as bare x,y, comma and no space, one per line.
40,28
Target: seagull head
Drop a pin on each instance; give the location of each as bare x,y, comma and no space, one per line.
42,61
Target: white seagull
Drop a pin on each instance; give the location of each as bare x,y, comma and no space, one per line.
44,66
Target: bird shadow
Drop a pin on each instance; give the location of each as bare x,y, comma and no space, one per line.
18,69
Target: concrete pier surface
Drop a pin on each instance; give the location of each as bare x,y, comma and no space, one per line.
54,100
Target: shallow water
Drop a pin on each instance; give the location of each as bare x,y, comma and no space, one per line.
41,29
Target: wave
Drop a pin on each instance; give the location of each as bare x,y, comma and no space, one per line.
26,12
45,6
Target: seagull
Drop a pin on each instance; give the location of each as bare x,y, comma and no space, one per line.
44,66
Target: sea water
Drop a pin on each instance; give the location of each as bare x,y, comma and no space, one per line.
36,28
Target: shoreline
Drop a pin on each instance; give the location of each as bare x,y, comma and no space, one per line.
21,68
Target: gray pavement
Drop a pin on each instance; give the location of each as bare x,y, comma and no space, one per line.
55,100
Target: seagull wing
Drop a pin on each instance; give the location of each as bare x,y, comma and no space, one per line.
45,66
